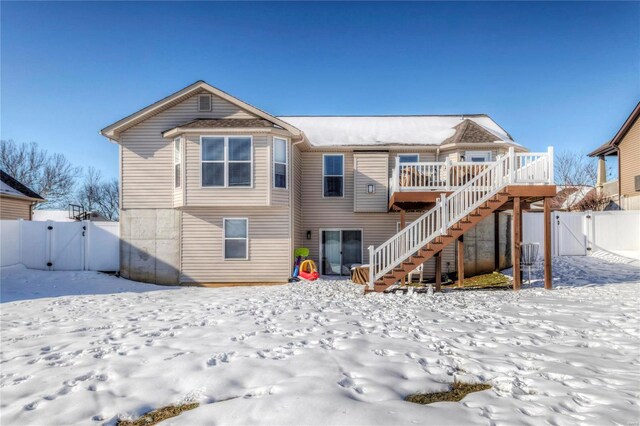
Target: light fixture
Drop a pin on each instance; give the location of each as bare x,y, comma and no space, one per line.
308,235
371,188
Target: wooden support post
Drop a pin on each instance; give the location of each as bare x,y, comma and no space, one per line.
460,261
517,240
438,271
403,280
496,241
547,244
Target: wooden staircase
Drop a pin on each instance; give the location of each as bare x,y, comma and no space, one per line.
439,243
457,212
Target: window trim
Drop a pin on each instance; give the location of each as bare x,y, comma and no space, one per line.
178,162
487,155
224,239
286,163
324,175
210,102
407,153
225,162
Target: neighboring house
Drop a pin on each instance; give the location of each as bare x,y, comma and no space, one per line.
16,200
214,190
626,146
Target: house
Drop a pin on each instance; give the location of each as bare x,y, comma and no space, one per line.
217,191
626,146
16,200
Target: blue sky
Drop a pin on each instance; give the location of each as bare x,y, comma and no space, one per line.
562,74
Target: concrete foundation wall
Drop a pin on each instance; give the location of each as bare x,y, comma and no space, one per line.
479,246
150,245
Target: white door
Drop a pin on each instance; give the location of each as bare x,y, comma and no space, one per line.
572,238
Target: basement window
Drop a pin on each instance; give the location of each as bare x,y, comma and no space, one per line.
236,238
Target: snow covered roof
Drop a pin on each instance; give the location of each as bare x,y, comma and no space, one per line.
388,130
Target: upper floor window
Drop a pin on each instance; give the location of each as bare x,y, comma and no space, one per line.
204,102
408,158
477,156
279,163
333,175
227,161
177,161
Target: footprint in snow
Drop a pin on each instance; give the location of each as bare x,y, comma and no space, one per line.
223,357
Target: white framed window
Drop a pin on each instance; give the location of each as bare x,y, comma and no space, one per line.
333,175
204,102
408,158
477,156
226,161
236,238
177,162
280,163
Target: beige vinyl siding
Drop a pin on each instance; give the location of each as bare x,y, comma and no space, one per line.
279,196
371,169
257,195
14,208
630,160
202,246
147,157
337,213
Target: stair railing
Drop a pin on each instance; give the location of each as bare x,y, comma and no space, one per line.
523,168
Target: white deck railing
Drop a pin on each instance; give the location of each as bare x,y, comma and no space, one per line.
529,168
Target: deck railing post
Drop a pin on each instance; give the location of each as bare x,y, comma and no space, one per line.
512,165
443,214
396,175
550,164
447,173
371,267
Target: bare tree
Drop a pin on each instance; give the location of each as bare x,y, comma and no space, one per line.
50,175
576,170
96,195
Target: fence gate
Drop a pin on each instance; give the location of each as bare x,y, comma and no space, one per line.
570,233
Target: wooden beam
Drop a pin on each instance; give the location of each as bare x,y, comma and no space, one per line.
438,271
496,241
517,240
460,261
547,244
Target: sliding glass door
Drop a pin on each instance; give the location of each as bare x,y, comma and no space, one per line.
340,249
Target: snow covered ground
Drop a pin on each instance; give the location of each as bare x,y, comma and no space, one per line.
321,353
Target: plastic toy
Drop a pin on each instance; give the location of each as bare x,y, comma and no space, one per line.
308,270
300,254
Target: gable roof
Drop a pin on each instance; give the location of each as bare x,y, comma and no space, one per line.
324,131
471,132
113,131
609,148
12,187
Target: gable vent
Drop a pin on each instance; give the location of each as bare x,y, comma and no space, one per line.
204,102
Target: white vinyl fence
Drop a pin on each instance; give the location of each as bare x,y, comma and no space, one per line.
583,233
60,246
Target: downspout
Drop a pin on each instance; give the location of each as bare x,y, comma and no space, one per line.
291,203
619,179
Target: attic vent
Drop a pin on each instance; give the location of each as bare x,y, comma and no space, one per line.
204,102
637,182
